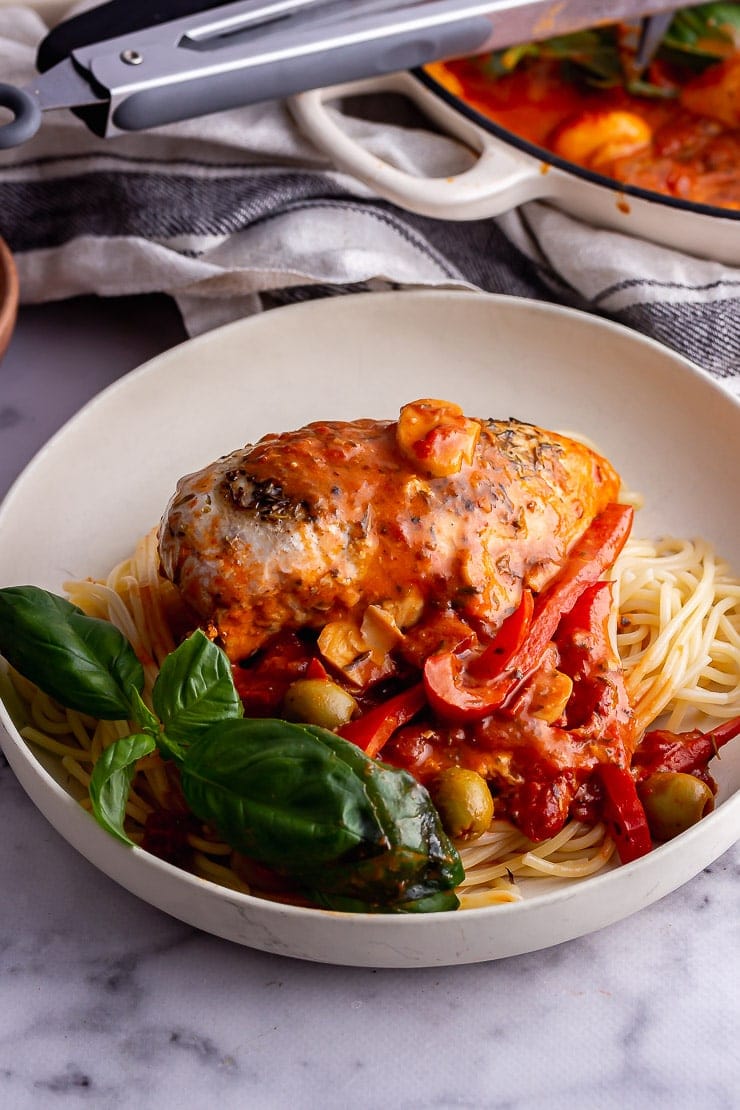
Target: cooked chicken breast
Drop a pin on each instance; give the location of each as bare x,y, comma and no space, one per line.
315,525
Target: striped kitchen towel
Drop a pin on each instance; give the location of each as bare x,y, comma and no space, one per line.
236,213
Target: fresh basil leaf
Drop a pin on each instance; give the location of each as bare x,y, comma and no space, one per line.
708,31
593,54
278,794
441,902
195,689
314,807
697,37
419,858
110,782
83,662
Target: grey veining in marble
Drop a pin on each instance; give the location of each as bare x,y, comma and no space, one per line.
107,1003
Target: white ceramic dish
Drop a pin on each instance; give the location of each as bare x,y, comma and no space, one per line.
105,478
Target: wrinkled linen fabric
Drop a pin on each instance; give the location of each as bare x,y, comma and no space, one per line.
238,212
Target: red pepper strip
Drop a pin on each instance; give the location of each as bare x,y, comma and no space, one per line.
599,707
373,729
445,675
316,669
593,554
684,752
509,639
623,812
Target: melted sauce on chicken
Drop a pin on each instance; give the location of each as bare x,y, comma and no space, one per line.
315,525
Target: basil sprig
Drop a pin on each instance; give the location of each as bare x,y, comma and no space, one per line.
354,834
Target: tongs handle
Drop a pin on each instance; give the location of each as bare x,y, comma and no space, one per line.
108,21
26,116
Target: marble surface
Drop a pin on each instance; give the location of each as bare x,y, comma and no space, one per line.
107,1002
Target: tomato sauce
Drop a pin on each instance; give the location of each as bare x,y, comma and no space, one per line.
538,752
686,145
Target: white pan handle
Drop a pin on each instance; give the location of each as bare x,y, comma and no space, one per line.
501,178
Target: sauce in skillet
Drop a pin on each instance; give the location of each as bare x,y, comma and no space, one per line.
687,146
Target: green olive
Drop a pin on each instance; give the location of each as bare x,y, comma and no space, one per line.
318,701
674,802
463,801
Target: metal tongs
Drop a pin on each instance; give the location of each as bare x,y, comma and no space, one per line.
123,67
648,35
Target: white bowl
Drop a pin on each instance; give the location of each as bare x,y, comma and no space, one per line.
104,479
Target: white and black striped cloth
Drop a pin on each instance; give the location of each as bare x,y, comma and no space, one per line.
237,212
